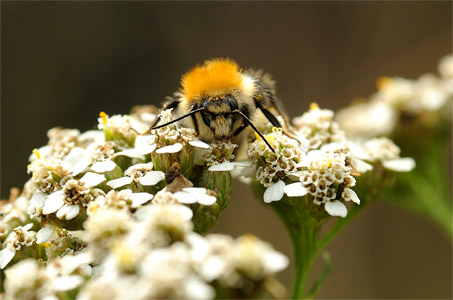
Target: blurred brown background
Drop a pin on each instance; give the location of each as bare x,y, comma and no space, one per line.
64,62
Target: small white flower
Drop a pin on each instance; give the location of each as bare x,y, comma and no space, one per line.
92,179
170,148
152,178
274,192
336,208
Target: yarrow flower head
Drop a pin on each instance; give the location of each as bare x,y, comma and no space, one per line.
276,169
328,181
383,150
318,127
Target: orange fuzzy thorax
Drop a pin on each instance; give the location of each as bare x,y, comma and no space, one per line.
214,78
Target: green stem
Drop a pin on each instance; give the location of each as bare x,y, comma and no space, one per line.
303,231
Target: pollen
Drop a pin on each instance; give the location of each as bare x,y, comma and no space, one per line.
382,82
214,78
103,116
314,106
272,139
36,152
329,163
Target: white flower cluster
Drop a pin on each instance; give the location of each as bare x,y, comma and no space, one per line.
327,179
151,253
324,171
105,215
396,96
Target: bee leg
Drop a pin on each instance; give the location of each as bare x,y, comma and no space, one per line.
239,130
286,129
271,117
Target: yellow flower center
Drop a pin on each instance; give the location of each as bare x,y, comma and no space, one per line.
36,152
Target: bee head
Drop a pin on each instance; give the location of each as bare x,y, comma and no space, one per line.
214,79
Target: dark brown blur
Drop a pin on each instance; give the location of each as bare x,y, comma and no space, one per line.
64,62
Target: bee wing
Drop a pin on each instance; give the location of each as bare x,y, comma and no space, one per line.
268,102
266,98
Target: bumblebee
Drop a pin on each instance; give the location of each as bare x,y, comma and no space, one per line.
222,100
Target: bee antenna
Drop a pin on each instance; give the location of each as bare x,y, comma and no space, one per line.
254,128
180,118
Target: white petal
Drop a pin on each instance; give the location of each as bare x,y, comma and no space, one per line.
199,144
349,194
44,234
152,177
61,213
72,212
295,190
274,192
360,165
336,208
205,199
119,182
275,261
79,159
140,198
144,140
241,164
38,198
212,268
196,289
145,149
6,255
170,149
67,283
195,190
27,227
92,179
53,202
68,211
186,212
405,164
225,166
129,153
185,197
103,166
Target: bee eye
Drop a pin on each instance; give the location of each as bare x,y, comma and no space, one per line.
231,102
